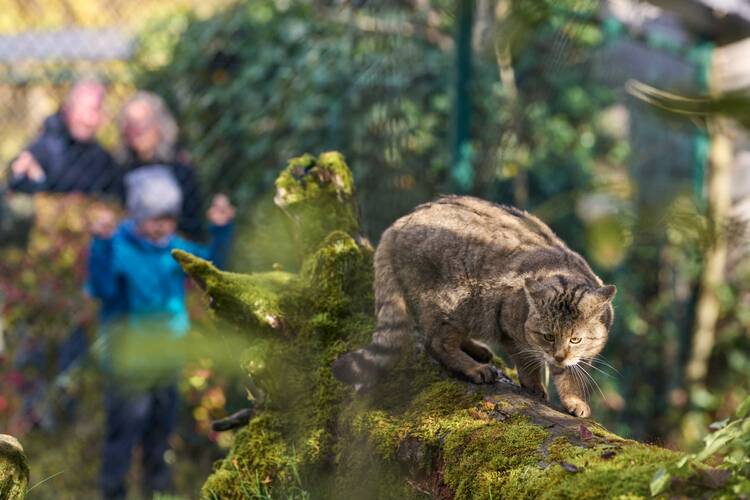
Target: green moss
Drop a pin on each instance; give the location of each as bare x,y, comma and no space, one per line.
336,282
604,471
318,194
447,418
440,399
223,483
362,475
259,455
13,457
477,457
325,309
627,473
485,458
559,449
383,432
243,299
14,471
307,177
599,431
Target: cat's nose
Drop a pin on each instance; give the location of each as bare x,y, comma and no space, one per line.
559,358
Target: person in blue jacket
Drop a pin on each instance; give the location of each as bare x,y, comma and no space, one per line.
142,293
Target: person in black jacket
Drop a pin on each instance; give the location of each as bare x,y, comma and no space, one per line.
66,157
149,136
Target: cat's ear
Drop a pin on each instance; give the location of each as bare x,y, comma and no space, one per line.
606,292
597,298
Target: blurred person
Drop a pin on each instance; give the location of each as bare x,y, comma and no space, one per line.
142,291
149,135
66,156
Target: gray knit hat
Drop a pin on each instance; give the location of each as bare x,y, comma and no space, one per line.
152,192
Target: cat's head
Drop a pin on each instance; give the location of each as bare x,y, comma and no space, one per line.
567,322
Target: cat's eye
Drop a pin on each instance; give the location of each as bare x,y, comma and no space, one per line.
575,340
549,337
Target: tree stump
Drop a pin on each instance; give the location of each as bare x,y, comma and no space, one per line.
14,471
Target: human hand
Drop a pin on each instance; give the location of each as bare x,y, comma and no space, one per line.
27,166
103,223
222,211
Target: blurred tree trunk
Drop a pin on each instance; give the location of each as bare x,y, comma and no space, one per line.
719,203
14,472
515,134
462,173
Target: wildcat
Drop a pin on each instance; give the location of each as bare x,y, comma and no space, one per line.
468,276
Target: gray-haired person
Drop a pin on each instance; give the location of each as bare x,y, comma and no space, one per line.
149,135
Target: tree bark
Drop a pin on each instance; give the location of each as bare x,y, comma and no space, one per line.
420,433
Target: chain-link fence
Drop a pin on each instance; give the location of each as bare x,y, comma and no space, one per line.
46,46
253,85
516,101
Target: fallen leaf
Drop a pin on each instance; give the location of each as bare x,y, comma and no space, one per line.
586,434
570,467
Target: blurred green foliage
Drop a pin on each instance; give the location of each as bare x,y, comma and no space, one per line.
276,78
273,78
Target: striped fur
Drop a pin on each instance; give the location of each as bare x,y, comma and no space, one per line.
464,277
393,329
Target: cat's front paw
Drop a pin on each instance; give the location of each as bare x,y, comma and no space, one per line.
482,374
576,406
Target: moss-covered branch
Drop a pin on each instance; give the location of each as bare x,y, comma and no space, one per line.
421,433
14,472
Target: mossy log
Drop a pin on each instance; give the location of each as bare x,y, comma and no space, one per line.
420,434
14,471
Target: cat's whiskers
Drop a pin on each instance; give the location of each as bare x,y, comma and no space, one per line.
532,363
533,358
529,352
600,359
582,385
593,380
594,367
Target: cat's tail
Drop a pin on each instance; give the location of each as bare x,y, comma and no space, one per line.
364,367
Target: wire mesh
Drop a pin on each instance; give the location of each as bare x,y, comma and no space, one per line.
253,83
